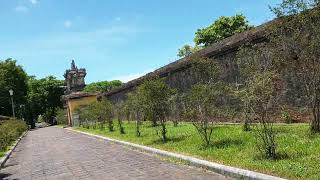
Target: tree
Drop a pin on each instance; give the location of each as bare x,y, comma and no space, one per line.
263,91
293,7
154,94
120,111
210,100
96,113
135,108
187,50
220,29
102,86
12,76
43,97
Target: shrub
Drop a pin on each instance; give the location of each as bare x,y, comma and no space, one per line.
10,130
134,109
98,112
120,110
285,115
209,100
62,118
155,96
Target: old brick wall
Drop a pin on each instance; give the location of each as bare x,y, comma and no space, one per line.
178,73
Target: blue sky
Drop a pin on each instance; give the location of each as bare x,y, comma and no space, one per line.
112,39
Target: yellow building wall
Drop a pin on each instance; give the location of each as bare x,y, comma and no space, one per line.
73,104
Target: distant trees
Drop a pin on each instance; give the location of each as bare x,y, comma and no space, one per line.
293,7
32,97
187,50
220,29
43,97
102,86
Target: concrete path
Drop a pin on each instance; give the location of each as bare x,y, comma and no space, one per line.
54,153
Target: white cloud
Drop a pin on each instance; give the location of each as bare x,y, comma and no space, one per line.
21,9
33,1
129,77
67,23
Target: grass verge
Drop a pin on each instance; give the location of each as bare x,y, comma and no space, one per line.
234,147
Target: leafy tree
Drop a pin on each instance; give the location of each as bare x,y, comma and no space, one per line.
220,29
12,76
102,86
293,7
187,50
43,97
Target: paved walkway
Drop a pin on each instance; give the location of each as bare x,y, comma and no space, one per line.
54,153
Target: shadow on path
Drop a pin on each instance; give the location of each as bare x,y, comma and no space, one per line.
4,175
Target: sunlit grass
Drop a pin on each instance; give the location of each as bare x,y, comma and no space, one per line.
232,146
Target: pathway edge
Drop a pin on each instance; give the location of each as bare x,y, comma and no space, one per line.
215,167
6,156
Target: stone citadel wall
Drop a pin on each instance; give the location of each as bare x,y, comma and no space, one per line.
178,73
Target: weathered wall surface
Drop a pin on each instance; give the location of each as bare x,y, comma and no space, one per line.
178,73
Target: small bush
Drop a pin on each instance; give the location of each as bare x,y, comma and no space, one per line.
10,130
62,118
285,115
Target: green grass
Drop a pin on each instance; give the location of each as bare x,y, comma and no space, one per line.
234,147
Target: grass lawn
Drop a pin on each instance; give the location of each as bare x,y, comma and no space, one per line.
234,147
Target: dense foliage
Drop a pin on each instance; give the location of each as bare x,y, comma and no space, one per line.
61,116
220,29
10,130
32,97
187,50
293,7
12,76
102,86
43,98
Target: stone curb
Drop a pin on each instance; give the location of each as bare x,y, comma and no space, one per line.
215,167
4,159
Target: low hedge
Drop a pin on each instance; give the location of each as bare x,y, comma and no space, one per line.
10,130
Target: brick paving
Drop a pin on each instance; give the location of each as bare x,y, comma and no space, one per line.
54,153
